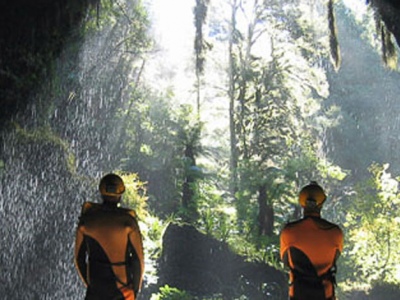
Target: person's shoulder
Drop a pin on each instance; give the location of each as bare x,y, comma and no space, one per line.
325,224
293,224
88,210
129,217
128,211
89,206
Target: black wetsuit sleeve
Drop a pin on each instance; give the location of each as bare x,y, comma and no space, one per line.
134,269
81,261
285,259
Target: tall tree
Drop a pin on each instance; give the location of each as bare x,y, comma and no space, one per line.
189,137
274,89
233,37
200,45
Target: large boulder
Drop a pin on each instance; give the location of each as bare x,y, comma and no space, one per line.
202,265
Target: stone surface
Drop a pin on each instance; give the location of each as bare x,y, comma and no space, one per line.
202,265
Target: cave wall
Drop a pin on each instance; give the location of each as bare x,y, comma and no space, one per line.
32,35
389,11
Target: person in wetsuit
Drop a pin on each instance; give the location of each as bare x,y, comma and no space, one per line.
108,246
310,248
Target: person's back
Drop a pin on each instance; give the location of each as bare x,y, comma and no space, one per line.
310,247
108,251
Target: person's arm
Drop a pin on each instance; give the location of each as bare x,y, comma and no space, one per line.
137,259
284,248
80,256
341,241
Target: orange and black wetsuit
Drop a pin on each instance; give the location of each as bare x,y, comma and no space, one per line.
109,252
310,247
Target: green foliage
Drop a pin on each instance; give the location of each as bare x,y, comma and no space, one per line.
152,229
268,251
171,293
277,109
372,230
44,137
131,17
135,195
263,249
217,218
151,149
277,189
200,45
162,143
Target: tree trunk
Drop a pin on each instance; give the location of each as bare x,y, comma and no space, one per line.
188,193
231,94
265,213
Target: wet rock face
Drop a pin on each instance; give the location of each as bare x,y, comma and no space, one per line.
389,10
199,264
32,35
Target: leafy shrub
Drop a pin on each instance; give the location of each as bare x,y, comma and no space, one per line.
171,293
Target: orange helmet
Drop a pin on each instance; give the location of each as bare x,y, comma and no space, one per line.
111,185
312,192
